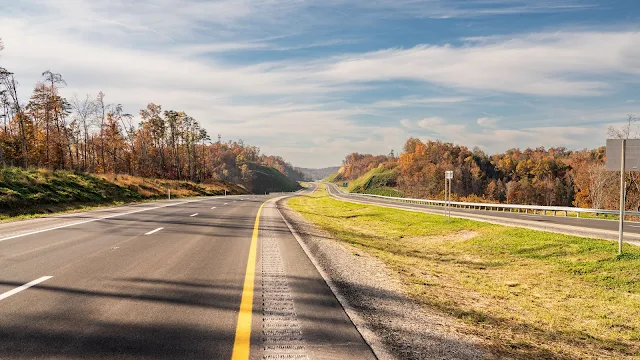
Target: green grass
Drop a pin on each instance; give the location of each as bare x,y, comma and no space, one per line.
269,179
378,181
524,293
27,193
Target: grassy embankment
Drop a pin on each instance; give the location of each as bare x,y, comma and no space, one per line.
524,293
269,179
377,181
29,193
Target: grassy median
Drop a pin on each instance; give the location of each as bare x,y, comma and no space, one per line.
524,293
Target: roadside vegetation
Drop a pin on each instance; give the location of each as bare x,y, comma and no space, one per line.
90,134
554,176
525,294
31,192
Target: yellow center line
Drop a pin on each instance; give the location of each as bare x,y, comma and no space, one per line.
243,330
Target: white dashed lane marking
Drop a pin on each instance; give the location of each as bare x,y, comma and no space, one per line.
24,287
154,231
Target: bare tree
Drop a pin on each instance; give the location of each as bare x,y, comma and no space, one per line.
84,109
50,107
627,131
601,182
101,111
129,132
13,108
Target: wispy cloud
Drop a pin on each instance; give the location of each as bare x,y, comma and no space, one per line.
420,102
488,122
447,9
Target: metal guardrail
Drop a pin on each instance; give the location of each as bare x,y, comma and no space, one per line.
503,207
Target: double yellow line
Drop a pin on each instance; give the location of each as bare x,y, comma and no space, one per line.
242,342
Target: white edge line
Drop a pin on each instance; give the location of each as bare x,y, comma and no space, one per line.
97,219
213,208
24,287
154,231
374,341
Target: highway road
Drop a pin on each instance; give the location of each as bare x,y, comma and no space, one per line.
198,279
631,228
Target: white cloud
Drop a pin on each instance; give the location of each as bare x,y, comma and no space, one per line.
407,124
440,126
487,122
540,64
495,140
170,52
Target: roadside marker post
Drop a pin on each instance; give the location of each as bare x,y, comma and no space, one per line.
448,177
622,155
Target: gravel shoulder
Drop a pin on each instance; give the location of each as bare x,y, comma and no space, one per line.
389,316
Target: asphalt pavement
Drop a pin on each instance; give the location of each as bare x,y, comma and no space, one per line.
165,281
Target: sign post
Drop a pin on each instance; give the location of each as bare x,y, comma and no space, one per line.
623,186
448,176
623,155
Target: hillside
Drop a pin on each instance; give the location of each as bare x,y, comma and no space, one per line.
26,192
541,176
267,179
381,180
318,174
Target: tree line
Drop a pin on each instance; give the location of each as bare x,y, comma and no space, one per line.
90,134
539,176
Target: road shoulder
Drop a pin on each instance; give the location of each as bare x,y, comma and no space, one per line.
393,324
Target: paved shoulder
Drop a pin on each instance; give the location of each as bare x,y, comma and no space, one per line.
298,316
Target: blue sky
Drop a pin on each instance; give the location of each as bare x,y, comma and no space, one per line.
314,80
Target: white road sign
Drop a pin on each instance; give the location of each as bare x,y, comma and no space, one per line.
631,158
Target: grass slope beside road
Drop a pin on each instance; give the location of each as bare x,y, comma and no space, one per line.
26,193
525,293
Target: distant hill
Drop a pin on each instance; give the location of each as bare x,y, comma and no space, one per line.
265,178
318,174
